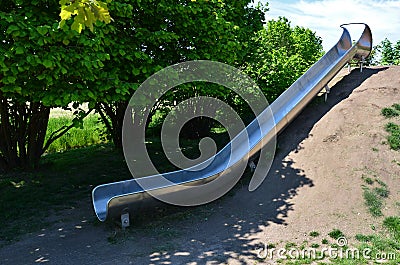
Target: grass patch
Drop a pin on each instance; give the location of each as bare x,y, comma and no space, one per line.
382,244
374,197
393,224
383,192
290,245
392,128
91,133
373,202
368,180
336,234
314,233
390,112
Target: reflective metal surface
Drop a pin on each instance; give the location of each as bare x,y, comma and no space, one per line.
113,199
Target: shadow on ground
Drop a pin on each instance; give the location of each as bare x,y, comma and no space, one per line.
229,232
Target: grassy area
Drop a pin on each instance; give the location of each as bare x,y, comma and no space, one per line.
69,177
92,133
392,128
61,181
374,194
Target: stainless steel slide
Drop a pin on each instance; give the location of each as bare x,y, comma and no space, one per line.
111,200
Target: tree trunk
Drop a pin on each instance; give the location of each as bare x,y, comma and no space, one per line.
23,129
113,117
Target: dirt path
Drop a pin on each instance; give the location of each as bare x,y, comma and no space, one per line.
313,185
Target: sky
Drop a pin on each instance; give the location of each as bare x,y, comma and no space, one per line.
325,17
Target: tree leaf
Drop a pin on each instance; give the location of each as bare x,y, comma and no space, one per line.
19,50
47,63
12,28
65,14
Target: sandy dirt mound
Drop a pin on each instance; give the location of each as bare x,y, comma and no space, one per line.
315,184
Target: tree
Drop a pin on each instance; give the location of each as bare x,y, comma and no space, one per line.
41,66
281,54
387,52
373,59
396,59
156,34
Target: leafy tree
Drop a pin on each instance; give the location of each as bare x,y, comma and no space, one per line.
281,54
373,59
387,52
156,34
396,60
41,66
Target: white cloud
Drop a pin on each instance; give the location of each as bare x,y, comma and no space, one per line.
326,16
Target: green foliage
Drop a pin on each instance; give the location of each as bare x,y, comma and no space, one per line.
85,13
39,62
388,52
373,202
374,197
390,112
314,233
90,133
336,234
147,36
383,192
369,181
393,224
392,128
280,55
60,181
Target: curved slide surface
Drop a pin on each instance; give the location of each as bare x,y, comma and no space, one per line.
113,199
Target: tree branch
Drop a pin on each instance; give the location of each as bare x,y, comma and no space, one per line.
60,132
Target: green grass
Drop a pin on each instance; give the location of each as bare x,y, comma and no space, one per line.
92,133
374,197
373,202
61,181
386,241
314,233
394,135
392,223
369,181
336,234
392,128
64,178
390,112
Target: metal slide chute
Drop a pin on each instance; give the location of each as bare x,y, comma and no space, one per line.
114,199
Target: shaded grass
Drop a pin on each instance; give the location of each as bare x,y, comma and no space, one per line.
62,180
